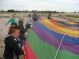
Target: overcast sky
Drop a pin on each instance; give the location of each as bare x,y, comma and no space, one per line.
51,5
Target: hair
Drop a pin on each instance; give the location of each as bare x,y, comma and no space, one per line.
29,15
14,24
12,29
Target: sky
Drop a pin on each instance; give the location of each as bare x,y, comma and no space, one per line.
45,5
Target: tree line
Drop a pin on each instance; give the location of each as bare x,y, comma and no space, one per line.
12,10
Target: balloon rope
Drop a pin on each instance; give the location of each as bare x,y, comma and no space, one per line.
59,46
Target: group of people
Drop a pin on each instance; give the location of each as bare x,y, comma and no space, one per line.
14,42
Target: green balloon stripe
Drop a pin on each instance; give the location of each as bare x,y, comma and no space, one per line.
45,51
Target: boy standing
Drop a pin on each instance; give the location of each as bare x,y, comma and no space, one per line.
12,48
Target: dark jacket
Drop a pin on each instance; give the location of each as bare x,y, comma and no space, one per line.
11,48
21,27
22,31
34,17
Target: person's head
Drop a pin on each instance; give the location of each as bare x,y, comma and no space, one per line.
49,14
21,18
13,24
29,15
13,16
14,31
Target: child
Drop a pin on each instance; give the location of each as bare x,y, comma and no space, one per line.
49,16
22,31
35,17
12,48
12,20
29,22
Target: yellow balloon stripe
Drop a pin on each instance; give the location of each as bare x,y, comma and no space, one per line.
72,23
55,23
58,29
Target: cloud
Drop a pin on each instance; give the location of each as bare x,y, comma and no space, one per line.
58,5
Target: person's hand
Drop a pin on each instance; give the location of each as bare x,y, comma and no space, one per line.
21,56
25,34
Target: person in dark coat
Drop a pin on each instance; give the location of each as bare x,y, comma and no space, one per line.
49,16
22,31
12,48
35,17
